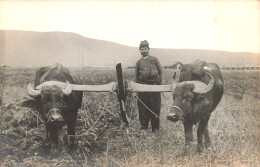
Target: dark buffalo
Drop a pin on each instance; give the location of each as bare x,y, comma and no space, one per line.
196,96
56,102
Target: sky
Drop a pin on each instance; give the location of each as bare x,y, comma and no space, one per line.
216,25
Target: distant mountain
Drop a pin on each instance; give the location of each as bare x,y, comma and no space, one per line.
28,49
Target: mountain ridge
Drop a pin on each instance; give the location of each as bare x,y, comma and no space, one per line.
30,48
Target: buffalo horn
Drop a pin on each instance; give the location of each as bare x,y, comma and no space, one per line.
201,88
52,83
32,92
68,89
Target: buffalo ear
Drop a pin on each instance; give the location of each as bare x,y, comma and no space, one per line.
197,74
174,76
177,91
201,103
31,103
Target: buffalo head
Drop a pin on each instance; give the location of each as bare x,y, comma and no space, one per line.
52,106
185,94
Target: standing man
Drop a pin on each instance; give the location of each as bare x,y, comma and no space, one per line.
148,71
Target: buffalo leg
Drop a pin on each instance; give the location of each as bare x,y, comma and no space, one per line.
200,133
206,136
50,140
54,148
188,133
71,129
53,140
46,133
60,140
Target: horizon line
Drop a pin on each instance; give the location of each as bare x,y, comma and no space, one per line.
128,45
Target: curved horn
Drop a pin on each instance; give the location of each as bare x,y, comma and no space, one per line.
201,88
68,89
32,92
52,83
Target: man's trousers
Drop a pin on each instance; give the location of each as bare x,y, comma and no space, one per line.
153,101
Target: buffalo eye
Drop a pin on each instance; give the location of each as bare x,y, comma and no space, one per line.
61,103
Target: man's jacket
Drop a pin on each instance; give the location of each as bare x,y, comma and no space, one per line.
148,71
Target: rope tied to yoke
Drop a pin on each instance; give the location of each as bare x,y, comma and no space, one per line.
134,94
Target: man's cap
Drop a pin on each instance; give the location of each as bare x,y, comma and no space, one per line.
144,43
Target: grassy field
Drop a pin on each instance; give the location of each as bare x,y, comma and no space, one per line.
234,127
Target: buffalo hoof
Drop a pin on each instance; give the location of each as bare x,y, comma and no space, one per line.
188,142
143,133
54,153
155,131
207,144
72,147
185,151
199,148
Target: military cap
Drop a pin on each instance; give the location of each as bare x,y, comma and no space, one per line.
144,43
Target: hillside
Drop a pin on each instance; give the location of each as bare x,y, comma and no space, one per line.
26,48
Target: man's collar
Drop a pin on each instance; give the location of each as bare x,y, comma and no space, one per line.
146,57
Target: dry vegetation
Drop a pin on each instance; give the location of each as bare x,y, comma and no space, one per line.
234,127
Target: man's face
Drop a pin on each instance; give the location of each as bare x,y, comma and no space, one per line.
144,51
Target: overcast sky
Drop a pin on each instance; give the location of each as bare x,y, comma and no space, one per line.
217,25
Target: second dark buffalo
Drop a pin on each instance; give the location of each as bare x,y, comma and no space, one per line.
56,102
196,96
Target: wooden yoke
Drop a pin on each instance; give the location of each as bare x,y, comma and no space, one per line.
136,87
121,88
121,94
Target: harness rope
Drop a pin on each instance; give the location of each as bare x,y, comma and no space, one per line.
184,114
54,109
174,106
145,105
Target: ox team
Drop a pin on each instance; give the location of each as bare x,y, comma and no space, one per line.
198,92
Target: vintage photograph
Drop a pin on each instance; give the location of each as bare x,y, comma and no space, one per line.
130,83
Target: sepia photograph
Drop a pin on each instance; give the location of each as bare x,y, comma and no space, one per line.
135,83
